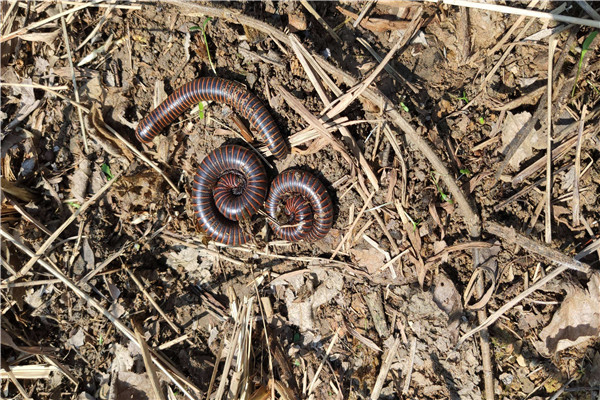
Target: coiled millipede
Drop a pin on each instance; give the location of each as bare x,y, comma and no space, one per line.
231,184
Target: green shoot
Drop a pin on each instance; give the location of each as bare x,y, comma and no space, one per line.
482,120
584,50
443,195
464,97
403,106
465,171
100,340
203,31
106,169
73,204
201,110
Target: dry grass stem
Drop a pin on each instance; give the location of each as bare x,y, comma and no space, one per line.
312,385
576,201
73,79
147,357
548,214
390,70
325,25
525,12
385,369
411,363
43,22
309,64
147,295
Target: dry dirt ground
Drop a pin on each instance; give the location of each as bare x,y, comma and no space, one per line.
380,308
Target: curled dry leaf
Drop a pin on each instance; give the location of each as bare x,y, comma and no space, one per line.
448,300
576,321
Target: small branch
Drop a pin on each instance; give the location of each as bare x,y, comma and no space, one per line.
548,215
554,256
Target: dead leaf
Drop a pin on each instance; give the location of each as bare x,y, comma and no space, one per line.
448,300
46,37
107,141
127,385
511,126
370,259
576,321
80,179
78,339
28,104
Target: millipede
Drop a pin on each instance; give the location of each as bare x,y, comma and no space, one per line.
230,184
308,206
222,91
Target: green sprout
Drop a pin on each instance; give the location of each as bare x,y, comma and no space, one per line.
201,110
464,97
403,106
100,340
106,169
203,31
482,120
584,50
73,204
443,195
465,171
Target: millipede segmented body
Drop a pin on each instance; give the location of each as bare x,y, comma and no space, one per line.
220,90
307,205
230,184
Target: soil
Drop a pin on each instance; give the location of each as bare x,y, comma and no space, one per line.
305,302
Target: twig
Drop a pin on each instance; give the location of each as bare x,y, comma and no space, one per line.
325,25
75,90
81,294
311,387
576,202
150,370
363,13
550,254
484,335
588,9
411,363
548,215
520,11
385,369
151,300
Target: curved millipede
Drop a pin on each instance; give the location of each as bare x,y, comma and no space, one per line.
230,184
307,205
220,90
